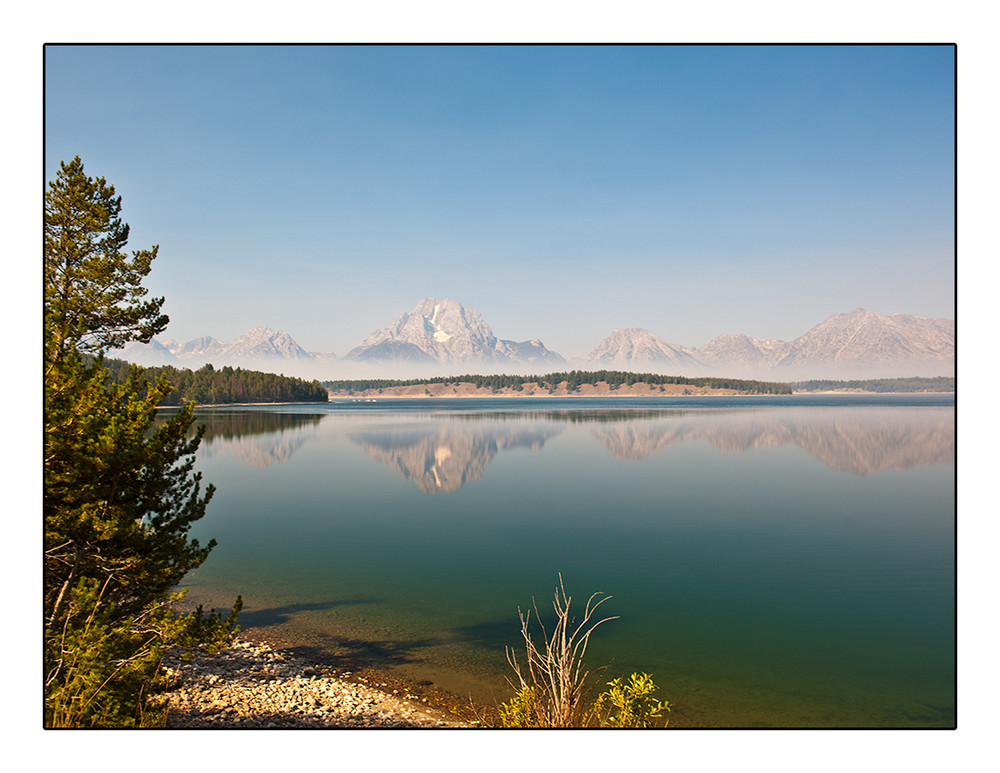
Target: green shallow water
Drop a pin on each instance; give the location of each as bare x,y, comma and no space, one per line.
774,563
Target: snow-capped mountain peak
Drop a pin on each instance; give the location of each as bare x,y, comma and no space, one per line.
444,331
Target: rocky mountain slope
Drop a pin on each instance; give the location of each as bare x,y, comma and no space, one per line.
627,346
866,339
444,331
740,350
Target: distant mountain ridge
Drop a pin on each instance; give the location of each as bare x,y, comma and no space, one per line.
857,343
867,338
443,337
258,345
636,345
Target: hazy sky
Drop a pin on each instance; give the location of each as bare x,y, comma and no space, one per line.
561,191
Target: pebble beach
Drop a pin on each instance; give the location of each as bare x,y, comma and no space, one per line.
252,685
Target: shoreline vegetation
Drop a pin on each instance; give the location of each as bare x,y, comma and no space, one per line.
616,384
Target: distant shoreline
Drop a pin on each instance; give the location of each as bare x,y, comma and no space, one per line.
488,394
531,389
637,390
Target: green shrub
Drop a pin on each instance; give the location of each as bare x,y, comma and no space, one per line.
629,704
521,710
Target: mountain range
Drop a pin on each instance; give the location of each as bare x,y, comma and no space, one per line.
442,337
857,344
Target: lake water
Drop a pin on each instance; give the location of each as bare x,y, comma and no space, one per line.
775,561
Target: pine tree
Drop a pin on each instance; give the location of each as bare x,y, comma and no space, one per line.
93,290
120,494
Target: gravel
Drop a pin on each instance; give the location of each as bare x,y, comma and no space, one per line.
254,686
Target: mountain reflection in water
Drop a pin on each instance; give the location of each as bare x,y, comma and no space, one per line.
441,453
857,441
441,459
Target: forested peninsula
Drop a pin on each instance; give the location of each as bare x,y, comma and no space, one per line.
572,383
223,386
614,383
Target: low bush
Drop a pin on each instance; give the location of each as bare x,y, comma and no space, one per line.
554,690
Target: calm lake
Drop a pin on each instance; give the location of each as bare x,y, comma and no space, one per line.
775,561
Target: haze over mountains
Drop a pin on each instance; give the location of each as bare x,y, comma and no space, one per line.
441,337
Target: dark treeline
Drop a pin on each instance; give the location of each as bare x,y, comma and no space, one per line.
208,386
914,384
573,380
235,422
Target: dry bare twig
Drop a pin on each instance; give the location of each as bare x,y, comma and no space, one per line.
554,673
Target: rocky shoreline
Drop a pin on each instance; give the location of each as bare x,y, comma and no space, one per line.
253,685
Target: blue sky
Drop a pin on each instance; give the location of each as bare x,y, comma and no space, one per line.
561,191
